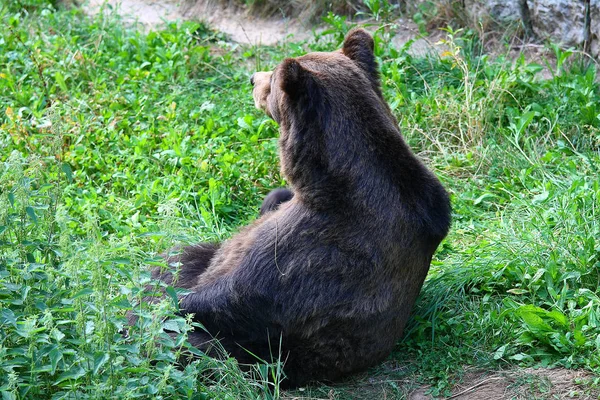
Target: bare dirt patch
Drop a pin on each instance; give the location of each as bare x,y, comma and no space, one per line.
235,23
244,28
148,13
392,381
558,383
421,45
239,26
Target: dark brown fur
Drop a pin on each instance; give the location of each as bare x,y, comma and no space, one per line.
274,199
335,271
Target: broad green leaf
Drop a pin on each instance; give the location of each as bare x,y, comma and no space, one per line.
498,354
8,395
100,359
171,325
540,272
539,198
7,316
525,120
173,295
535,322
520,357
74,373
57,334
55,356
483,197
66,168
31,213
121,302
579,337
27,328
559,317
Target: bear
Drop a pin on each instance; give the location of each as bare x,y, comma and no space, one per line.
325,278
274,199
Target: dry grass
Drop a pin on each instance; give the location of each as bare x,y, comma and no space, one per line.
520,384
392,382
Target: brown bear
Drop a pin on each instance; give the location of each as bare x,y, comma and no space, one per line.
326,277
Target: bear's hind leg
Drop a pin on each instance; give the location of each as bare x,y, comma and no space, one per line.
192,260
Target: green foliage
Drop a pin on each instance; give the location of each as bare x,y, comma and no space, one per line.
117,145
113,148
517,279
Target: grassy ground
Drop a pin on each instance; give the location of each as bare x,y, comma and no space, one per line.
115,145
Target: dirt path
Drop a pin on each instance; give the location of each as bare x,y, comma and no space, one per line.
239,26
149,13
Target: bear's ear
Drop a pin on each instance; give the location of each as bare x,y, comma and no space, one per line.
359,47
294,78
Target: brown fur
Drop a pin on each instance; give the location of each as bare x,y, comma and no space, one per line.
334,272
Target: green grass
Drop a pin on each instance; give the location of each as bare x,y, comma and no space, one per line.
116,145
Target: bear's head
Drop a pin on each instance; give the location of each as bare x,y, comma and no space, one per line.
297,79
331,115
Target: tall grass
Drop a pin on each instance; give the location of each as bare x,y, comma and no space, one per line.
517,279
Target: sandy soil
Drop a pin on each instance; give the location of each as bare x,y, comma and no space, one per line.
244,28
149,13
239,26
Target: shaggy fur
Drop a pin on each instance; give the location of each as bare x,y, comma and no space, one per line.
333,271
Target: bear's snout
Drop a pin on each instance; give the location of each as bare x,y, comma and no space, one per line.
262,87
